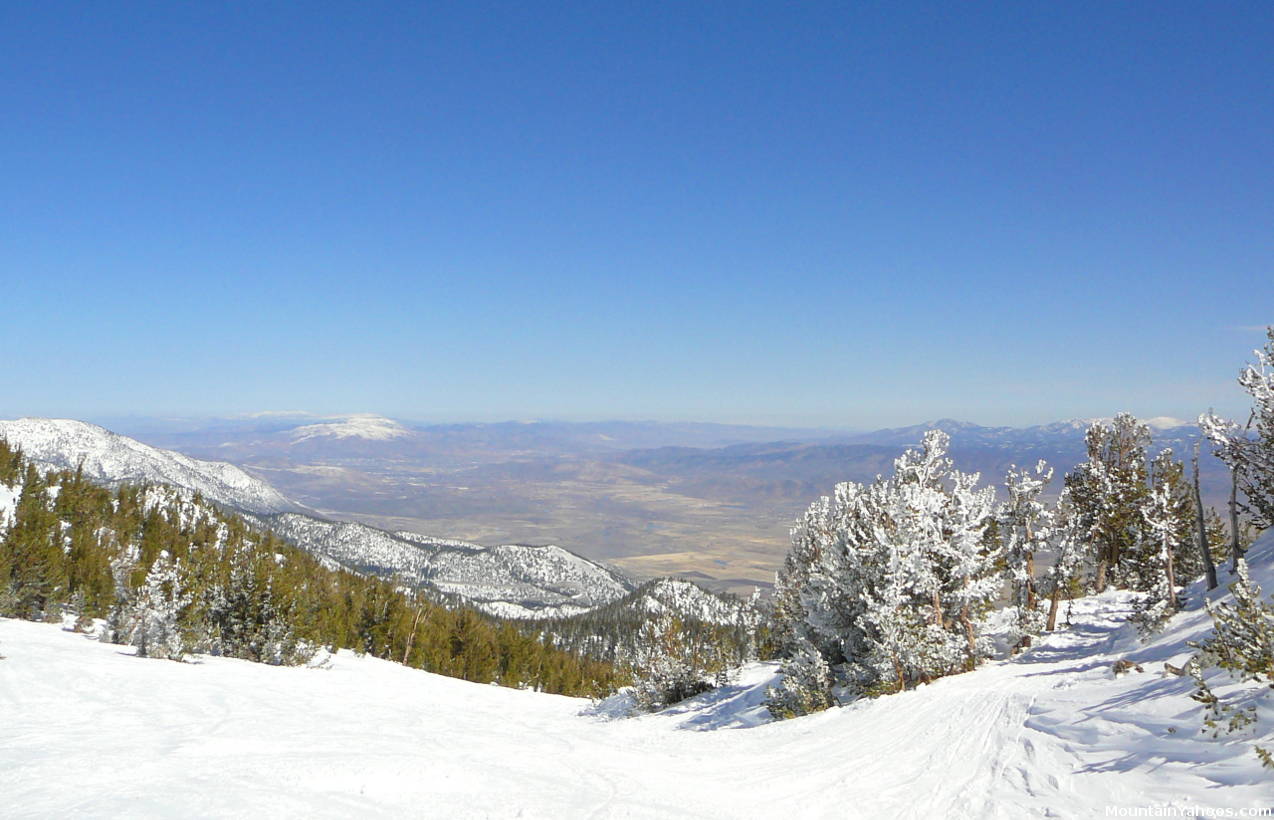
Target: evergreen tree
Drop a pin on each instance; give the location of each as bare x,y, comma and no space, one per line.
1025,525
666,669
152,623
1108,491
889,582
1249,452
1241,644
33,550
806,686
1070,555
1161,600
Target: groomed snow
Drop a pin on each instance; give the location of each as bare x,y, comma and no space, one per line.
86,728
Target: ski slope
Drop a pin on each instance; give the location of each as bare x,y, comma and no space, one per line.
85,728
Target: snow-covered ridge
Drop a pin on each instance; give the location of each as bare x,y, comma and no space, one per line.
507,581
372,427
686,599
511,581
1154,423
112,459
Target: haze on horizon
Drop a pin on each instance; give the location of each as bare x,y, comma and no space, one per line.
819,216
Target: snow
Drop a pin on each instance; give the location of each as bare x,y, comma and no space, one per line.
110,458
509,580
1165,423
8,504
373,427
682,598
1052,733
1154,423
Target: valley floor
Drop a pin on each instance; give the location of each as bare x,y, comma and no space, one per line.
88,730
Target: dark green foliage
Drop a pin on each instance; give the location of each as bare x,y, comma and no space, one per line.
1108,492
75,547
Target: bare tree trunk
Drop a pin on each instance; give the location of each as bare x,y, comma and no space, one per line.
1054,603
1101,572
1030,573
937,610
970,636
1204,547
411,637
1235,551
1172,577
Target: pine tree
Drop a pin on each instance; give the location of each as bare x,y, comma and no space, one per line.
806,686
889,582
1070,554
1108,491
33,550
1025,525
1161,599
1242,644
153,620
1249,452
666,669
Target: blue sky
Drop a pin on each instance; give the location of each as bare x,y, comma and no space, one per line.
850,214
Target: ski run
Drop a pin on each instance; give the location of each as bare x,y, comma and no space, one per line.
86,729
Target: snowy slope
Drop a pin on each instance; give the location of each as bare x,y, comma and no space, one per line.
512,581
114,459
1052,733
684,599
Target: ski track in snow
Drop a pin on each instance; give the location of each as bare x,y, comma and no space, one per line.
87,729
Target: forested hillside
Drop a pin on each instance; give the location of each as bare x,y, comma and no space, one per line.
172,574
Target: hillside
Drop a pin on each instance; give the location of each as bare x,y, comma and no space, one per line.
112,459
510,581
506,580
1051,733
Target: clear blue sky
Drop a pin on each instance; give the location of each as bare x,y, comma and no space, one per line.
851,214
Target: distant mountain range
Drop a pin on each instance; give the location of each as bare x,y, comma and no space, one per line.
275,439
705,501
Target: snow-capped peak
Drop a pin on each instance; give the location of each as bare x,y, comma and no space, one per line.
1165,423
365,426
1154,423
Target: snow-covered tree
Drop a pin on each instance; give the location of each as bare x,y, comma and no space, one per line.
889,582
806,686
1161,596
666,669
1249,451
246,619
1107,492
1242,644
1070,556
152,623
1025,526
122,566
